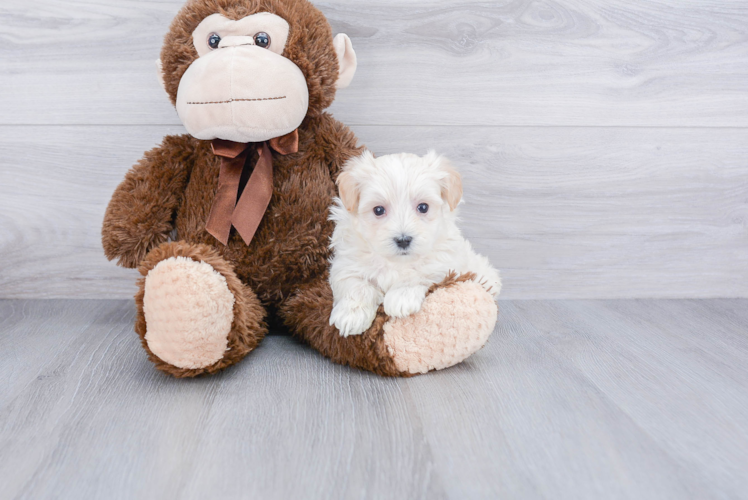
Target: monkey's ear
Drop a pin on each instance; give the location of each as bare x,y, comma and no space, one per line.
451,183
160,73
348,191
346,60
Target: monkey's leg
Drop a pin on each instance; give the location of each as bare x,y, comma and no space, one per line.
194,315
455,321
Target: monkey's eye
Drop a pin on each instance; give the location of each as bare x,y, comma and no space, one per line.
262,39
379,211
213,40
423,208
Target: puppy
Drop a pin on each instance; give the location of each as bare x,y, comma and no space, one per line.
395,235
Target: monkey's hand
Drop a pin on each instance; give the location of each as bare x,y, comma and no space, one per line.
141,212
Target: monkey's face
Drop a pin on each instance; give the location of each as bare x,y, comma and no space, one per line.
241,88
251,70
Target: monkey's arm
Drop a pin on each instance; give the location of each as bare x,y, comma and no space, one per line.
140,214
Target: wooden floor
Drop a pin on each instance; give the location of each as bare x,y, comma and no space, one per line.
569,399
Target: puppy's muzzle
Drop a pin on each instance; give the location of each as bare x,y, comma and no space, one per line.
403,241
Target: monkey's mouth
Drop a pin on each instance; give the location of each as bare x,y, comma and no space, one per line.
237,100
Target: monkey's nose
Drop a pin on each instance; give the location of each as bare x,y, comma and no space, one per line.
403,241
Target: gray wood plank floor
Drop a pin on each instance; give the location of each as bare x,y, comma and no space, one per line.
569,399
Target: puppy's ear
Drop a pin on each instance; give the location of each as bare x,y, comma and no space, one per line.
348,187
348,191
451,182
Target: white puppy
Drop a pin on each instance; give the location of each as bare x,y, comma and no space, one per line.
396,235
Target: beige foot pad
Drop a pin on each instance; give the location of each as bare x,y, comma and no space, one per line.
188,312
453,323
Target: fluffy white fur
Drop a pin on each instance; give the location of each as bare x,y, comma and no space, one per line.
368,267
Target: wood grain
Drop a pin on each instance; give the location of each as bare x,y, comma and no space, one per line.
563,212
569,399
510,62
603,145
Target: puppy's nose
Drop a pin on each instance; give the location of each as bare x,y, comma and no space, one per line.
403,241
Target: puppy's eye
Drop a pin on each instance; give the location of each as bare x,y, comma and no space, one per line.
262,39
213,40
379,211
423,208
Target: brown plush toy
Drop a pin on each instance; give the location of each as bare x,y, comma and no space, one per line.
228,225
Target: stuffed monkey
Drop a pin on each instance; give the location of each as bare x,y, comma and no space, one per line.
228,225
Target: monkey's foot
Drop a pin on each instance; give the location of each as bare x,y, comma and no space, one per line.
194,315
455,320
189,310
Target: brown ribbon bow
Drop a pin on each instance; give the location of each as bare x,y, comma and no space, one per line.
245,215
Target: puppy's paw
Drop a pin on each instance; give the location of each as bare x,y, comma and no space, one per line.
404,301
491,283
352,318
493,287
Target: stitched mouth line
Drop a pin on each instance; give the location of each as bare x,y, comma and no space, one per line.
239,100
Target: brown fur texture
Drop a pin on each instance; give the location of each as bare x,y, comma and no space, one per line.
248,327
140,214
169,193
307,315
